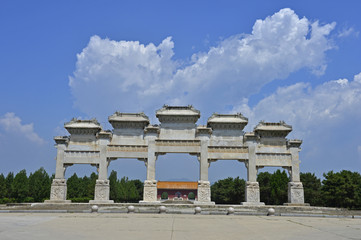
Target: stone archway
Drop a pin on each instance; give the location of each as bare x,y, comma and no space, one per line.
222,138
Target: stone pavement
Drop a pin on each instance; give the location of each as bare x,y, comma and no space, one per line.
103,226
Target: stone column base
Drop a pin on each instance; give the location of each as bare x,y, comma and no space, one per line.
204,193
252,194
295,193
101,194
150,192
58,192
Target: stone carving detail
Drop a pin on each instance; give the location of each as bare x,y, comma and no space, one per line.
273,156
83,154
127,148
150,191
204,191
228,149
295,193
177,143
252,192
101,190
58,190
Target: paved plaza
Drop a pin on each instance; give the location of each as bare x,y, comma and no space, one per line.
102,226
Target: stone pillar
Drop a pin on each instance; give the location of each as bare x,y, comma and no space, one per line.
204,186
150,185
295,187
102,190
58,189
252,194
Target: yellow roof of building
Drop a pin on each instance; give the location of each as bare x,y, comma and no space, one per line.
177,185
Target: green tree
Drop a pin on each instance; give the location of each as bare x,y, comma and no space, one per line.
20,186
9,182
228,191
114,192
273,187
139,186
312,189
264,181
279,187
191,196
342,189
127,190
91,185
74,185
84,182
3,190
39,185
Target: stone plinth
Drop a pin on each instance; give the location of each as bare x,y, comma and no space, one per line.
101,194
295,193
58,192
150,192
252,194
204,193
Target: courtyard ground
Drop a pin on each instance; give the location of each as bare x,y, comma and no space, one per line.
104,226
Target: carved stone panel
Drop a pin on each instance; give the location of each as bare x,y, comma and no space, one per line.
252,192
204,191
295,193
101,190
150,191
58,190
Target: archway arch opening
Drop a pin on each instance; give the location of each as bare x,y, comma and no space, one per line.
81,179
273,184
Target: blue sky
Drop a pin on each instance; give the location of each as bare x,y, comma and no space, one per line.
298,61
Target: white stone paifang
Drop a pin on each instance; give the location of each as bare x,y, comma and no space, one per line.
222,138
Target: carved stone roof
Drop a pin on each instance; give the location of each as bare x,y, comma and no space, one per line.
178,114
76,126
131,120
227,121
294,143
272,129
77,123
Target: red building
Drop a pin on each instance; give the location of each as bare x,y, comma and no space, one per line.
177,190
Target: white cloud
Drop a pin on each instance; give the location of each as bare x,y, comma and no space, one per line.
110,75
307,107
326,117
12,124
129,76
347,32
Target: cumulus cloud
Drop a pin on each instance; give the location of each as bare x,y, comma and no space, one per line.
307,107
326,117
130,76
12,124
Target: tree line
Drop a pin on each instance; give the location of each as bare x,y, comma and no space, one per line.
337,189
21,188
